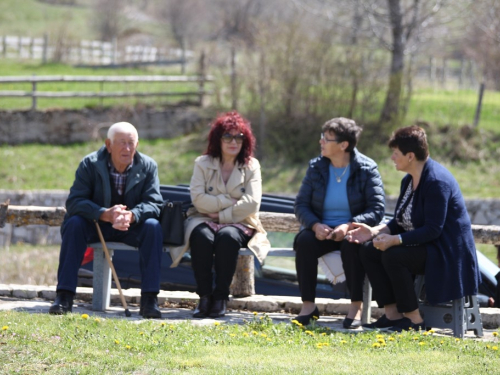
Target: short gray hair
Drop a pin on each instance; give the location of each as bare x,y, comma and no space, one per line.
122,127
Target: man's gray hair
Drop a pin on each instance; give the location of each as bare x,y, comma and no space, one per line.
122,127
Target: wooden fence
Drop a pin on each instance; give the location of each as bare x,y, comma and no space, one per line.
90,52
198,92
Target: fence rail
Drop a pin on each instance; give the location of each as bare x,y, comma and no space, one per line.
199,93
91,52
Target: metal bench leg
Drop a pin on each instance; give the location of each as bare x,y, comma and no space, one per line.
459,318
367,302
101,281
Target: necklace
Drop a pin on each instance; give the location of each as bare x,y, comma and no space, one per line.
339,178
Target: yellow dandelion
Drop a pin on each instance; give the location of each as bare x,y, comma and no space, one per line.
85,316
421,343
296,322
128,347
261,317
315,317
255,333
326,344
117,342
431,331
171,326
391,338
343,342
379,336
376,345
381,341
457,340
425,333
494,348
97,320
319,345
495,334
232,335
415,338
5,328
245,334
442,342
263,335
310,333
216,323
141,333
268,339
323,334
488,347
255,313
163,324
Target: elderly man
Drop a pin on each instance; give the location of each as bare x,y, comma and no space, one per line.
119,188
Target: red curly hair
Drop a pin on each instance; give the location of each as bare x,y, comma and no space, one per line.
223,124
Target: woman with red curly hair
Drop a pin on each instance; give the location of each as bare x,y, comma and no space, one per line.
226,190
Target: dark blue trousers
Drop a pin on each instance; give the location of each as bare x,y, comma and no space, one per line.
77,232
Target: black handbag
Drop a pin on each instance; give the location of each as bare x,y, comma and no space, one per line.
172,223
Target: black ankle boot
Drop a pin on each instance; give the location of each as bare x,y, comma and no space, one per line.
63,303
149,306
218,308
203,307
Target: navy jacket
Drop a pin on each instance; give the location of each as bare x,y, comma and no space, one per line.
441,222
365,191
90,194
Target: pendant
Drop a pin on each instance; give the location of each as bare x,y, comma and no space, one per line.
339,179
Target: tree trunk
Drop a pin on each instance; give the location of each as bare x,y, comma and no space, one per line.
391,105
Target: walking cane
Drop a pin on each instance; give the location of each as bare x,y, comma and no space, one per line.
115,276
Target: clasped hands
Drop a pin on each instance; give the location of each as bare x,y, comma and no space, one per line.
119,217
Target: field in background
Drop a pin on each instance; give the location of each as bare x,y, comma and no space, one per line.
34,166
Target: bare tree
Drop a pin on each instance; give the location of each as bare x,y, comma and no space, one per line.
106,17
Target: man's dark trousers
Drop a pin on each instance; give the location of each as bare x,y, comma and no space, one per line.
78,232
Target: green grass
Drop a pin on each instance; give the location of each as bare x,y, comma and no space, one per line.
457,107
33,18
34,343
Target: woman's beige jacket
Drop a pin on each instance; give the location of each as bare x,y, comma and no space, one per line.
209,194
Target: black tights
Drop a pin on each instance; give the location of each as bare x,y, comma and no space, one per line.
219,251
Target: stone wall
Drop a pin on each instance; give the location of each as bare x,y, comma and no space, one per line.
69,126
481,211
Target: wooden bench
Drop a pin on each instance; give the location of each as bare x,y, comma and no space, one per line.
102,274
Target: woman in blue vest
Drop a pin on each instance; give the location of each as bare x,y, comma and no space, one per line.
340,186
430,235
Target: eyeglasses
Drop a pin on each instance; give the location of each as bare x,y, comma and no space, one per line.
228,138
324,139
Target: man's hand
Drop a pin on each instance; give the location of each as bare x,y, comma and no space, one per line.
322,231
112,213
123,221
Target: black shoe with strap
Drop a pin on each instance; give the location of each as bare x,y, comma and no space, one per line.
63,303
204,306
382,324
149,306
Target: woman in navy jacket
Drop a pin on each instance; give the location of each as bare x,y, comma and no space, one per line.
340,187
430,234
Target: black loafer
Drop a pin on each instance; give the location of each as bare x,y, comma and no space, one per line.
63,303
305,319
382,324
203,307
218,308
150,309
351,323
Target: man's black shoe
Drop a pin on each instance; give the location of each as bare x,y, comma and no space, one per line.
63,303
149,306
203,307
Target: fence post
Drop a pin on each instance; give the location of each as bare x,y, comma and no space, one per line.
44,48
4,46
33,94
479,104
114,51
234,100
201,88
